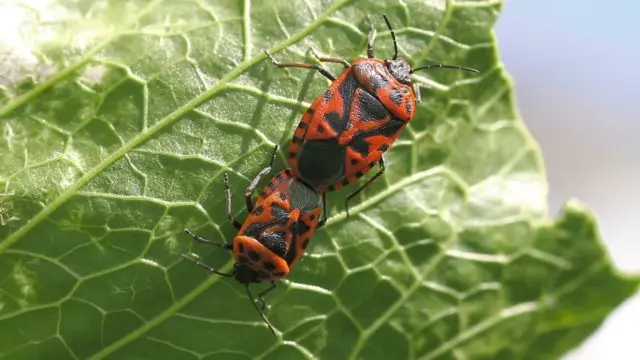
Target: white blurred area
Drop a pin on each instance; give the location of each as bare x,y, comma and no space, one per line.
576,66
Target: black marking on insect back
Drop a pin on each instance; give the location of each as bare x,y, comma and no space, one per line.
310,111
320,128
370,108
291,254
269,266
361,146
372,164
383,148
292,155
312,217
283,196
395,96
241,247
409,108
299,227
296,140
359,174
258,210
254,256
321,162
354,161
302,125
346,89
275,242
333,118
263,193
328,94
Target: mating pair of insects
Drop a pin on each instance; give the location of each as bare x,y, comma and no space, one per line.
342,136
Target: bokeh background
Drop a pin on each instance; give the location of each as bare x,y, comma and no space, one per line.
576,66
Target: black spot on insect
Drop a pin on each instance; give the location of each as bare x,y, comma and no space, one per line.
404,90
269,266
254,256
296,140
302,125
328,95
243,259
384,147
241,247
409,108
320,128
359,174
372,164
283,196
311,111
305,244
263,194
312,217
354,161
395,96
292,155
257,212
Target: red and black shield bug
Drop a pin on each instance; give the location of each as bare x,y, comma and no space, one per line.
346,131
274,235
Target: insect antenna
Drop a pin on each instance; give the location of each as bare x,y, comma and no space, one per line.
393,36
444,66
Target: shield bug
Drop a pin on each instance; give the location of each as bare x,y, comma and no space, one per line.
347,130
274,235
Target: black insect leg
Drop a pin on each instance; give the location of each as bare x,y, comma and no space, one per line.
263,304
256,180
324,211
260,312
208,242
380,172
318,68
205,266
336,60
227,192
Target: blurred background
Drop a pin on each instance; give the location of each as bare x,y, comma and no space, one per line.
576,66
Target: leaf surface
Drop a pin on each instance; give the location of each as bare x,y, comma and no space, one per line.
119,119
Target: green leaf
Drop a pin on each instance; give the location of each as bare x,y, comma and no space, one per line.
119,118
